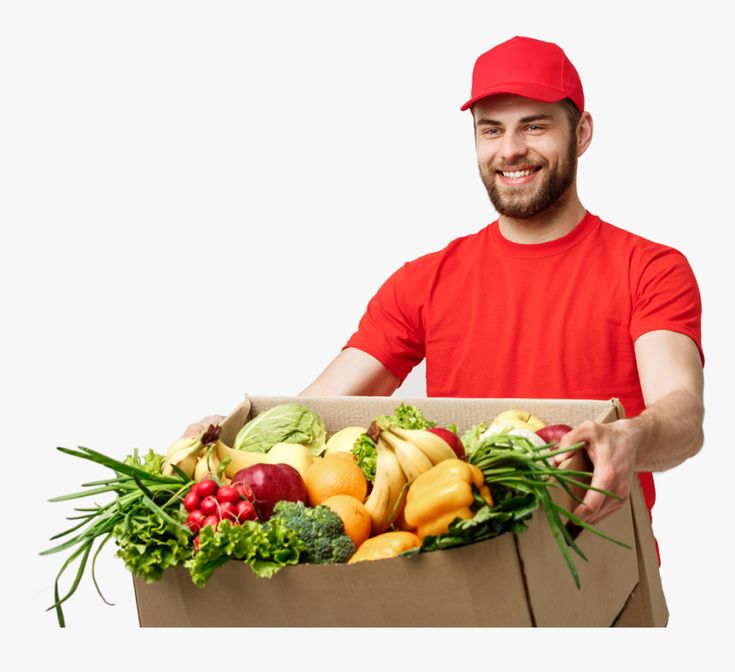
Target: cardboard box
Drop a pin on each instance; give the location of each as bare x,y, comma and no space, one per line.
512,580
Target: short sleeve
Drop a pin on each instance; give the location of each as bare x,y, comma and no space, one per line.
666,296
390,330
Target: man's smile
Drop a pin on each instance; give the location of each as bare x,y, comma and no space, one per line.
518,177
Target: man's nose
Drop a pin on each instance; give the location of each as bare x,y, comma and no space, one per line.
512,146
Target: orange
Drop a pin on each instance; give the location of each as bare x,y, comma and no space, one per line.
334,475
354,515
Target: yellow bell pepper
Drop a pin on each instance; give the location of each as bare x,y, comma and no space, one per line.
386,545
441,494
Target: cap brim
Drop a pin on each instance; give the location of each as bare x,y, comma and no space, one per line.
540,92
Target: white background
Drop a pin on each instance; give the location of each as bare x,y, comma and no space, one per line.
198,199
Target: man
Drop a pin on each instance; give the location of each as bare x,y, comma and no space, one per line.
548,301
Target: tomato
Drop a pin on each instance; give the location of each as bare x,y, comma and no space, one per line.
209,506
205,488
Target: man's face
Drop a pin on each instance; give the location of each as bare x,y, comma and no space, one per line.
526,151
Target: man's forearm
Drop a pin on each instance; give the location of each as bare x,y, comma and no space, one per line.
668,432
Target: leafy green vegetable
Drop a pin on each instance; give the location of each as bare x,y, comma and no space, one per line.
143,515
320,528
471,438
366,454
285,423
151,462
149,544
518,473
264,547
407,416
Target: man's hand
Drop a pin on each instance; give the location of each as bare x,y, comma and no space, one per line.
198,427
612,449
664,435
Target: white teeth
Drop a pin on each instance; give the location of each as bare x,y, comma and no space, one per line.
517,173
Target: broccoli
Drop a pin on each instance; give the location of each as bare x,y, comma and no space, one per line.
320,528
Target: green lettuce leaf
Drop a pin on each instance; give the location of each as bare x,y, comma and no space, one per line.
151,462
471,438
149,545
407,416
366,454
265,548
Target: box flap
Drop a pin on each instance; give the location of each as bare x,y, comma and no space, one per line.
647,604
607,577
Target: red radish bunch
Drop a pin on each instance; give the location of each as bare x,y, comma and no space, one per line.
208,503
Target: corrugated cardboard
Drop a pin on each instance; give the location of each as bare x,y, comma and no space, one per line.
513,580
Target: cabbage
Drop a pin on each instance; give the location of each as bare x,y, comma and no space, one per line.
285,423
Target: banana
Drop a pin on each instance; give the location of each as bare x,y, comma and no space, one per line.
389,482
412,460
239,459
184,454
208,463
432,446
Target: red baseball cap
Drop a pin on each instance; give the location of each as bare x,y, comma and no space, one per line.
526,67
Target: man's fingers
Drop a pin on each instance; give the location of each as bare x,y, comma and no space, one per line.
192,430
198,427
590,506
577,434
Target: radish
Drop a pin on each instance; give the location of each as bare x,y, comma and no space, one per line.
245,511
553,433
195,520
211,520
227,511
228,494
191,501
205,488
209,506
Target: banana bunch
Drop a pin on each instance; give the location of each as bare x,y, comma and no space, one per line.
402,456
199,457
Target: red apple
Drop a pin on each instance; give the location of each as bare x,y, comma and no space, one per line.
455,443
270,483
553,433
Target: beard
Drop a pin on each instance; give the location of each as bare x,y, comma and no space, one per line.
525,202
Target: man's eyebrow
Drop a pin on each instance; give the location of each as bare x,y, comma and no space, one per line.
535,117
484,121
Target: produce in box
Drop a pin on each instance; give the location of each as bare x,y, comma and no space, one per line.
287,494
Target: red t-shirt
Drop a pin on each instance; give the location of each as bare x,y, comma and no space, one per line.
555,320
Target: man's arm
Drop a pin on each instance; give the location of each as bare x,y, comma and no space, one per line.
353,373
664,435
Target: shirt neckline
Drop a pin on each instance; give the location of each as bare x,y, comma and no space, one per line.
587,224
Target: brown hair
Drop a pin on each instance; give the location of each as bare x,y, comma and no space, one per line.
573,113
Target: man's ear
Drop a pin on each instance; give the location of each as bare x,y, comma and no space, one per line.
584,133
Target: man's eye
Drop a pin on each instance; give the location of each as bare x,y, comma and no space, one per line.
491,131
534,127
